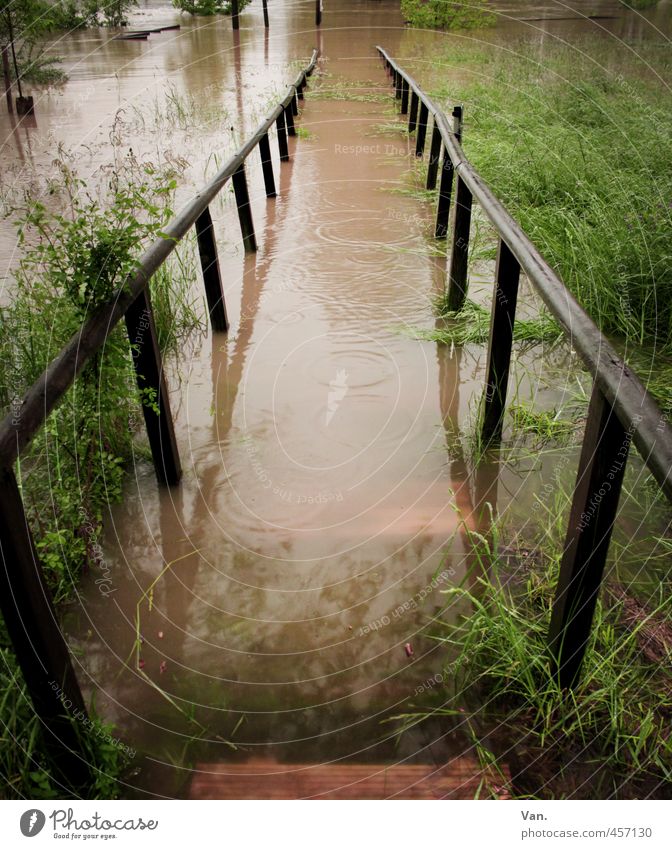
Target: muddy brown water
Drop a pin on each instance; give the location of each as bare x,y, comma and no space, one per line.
280,589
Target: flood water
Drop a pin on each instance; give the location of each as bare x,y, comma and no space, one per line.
280,589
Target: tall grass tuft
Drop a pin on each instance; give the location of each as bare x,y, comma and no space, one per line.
578,145
610,736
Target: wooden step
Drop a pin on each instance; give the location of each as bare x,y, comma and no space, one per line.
461,778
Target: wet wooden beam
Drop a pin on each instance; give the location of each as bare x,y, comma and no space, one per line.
445,197
154,396
38,644
7,77
604,454
267,166
422,130
434,157
265,4
281,128
212,280
244,210
502,319
404,97
461,778
413,116
318,12
459,258
235,14
289,120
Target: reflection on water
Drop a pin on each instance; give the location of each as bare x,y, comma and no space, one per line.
283,591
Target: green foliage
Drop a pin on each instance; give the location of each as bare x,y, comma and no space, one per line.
74,468
208,7
639,4
24,771
579,151
75,14
471,324
446,14
540,425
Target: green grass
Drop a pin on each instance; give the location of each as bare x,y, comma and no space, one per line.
610,737
471,324
579,149
360,91
541,425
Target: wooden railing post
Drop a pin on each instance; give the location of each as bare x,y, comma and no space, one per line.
445,196
457,123
404,97
318,12
397,85
234,14
281,129
594,507
459,258
265,4
212,280
413,116
244,209
267,166
503,315
151,382
289,119
434,157
7,77
37,641
422,130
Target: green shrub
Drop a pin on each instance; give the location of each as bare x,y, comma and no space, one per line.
446,14
208,7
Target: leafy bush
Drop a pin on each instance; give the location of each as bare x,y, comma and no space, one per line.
208,7
446,14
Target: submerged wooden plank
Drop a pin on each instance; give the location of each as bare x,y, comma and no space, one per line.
461,778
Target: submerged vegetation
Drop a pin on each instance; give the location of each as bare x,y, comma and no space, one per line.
471,324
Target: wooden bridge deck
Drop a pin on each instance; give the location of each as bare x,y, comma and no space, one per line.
461,778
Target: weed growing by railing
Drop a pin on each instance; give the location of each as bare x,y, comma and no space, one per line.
73,262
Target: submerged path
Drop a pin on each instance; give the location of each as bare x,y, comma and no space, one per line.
317,525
